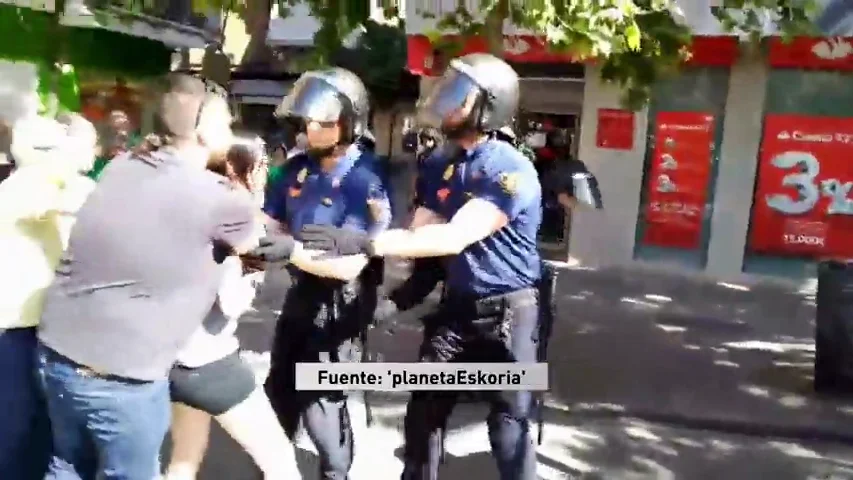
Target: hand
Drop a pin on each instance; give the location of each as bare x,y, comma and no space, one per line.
252,264
385,309
335,241
273,248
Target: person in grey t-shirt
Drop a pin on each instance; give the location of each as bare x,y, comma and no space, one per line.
140,274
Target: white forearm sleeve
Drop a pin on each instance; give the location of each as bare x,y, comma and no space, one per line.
341,268
475,221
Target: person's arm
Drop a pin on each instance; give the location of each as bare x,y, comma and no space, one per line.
343,268
426,274
500,198
370,212
568,202
235,221
30,193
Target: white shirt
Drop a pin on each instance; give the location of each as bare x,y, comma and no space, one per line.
212,341
235,296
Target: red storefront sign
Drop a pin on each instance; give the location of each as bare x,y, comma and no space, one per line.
820,53
805,175
615,129
678,179
721,51
517,48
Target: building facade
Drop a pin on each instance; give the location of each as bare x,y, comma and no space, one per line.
737,168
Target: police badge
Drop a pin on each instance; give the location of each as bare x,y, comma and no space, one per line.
300,177
509,182
448,172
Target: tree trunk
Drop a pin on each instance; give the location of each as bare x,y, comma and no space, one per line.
494,28
258,54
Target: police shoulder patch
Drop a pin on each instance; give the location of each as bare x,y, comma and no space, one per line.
508,182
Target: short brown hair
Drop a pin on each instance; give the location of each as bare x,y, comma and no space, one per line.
179,106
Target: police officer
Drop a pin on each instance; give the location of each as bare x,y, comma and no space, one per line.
483,208
326,310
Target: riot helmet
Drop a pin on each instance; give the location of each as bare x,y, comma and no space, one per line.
328,96
477,92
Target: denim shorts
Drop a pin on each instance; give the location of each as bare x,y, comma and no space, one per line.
214,388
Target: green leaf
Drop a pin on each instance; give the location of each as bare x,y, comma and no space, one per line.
632,36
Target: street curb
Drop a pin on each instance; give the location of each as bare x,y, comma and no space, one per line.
737,427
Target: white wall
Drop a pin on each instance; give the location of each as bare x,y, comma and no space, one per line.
738,167
601,238
607,237
297,29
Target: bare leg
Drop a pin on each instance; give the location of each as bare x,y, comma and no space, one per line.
190,432
254,425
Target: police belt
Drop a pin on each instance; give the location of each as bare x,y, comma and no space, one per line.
470,306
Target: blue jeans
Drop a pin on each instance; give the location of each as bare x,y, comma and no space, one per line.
104,427
24,424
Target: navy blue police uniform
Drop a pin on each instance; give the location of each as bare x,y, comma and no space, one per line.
324,320
427,272
490,312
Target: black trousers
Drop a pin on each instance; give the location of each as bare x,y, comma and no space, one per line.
319,323
465,333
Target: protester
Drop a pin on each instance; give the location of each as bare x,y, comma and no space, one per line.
115,139
483,209
278,169
37,206
327,310
140,274
210,378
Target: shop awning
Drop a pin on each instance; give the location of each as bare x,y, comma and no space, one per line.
170,33
259,92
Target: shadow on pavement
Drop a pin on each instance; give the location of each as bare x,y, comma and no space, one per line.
657,345
653,376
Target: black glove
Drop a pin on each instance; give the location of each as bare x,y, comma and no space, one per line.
335,241
275,248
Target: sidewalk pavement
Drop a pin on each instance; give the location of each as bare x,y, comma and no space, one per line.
573,448
653,376
713,355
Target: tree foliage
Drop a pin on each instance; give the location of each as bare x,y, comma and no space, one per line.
635,42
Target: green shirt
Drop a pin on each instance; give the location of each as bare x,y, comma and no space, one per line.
275,174
98,168
102,162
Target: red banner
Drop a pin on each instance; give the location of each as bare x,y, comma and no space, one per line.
678,179
801,206
721,51
615,129
819,53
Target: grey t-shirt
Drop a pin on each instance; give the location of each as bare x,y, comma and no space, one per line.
139,275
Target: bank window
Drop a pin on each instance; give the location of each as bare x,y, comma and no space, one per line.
801,210
685,130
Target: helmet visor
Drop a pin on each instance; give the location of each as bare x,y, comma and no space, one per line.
311,98
451,101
